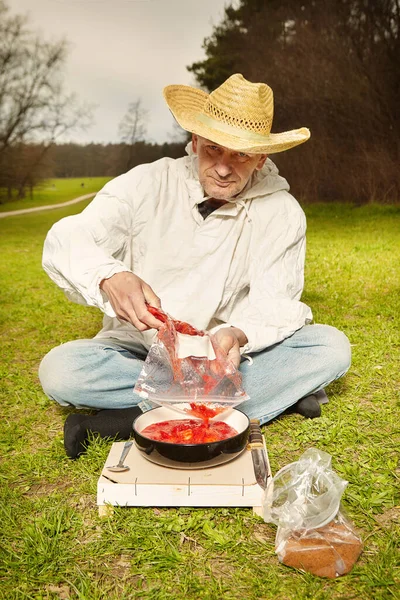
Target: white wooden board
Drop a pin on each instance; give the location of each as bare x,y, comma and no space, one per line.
148,484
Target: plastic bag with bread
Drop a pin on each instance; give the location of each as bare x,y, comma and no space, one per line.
313,534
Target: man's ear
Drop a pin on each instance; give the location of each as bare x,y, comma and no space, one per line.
194,142
261,161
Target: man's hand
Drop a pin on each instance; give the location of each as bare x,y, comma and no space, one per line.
230,339
128,295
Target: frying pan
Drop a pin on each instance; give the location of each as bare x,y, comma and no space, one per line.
190,456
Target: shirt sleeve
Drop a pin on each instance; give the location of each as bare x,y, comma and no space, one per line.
82,250
271,309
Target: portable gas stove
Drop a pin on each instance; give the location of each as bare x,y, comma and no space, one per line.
148,484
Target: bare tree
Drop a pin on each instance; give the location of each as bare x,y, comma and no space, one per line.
34,108
132,129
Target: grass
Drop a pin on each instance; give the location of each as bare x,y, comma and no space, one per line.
55,191
54,545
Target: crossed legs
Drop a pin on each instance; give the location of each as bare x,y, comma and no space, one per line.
100,374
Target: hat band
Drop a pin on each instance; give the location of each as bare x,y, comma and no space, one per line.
250,136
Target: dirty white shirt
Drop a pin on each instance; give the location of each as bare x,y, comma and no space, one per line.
243,265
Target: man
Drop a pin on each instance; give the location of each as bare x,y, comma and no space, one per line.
218,241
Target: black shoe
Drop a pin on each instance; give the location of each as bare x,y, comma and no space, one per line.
308,406
75,435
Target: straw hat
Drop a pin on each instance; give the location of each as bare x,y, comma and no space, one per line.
237,115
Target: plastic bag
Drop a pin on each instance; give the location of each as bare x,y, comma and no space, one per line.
328,551
304,494
303,499
188,371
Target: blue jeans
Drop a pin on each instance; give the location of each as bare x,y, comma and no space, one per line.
100,373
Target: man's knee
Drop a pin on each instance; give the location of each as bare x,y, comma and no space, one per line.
58,372
337,349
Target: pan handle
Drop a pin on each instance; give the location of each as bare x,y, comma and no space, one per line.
149,449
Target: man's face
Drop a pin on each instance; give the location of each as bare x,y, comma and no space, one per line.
224,173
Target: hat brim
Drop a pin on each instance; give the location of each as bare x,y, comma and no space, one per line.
186,104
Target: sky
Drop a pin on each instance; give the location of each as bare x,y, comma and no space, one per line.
124,50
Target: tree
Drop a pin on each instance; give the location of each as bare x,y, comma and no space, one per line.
91,160
34,108
333,66
132,129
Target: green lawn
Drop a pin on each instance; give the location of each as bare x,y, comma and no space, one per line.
54,191
54,545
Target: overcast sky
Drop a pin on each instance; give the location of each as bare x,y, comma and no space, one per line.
122,50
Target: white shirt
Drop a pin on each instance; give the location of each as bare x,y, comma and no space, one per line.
243,265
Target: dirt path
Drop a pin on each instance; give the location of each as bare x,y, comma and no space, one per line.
23,211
